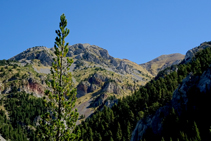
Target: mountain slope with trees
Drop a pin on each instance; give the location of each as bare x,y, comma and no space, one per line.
130,113
118,122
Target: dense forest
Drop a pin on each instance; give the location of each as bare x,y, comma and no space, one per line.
118,122
22,110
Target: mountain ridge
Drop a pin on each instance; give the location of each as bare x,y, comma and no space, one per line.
162,62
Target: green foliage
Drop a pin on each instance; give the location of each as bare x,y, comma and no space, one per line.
99,69
59,122
82,116
5,62
119,133
22,110
8,131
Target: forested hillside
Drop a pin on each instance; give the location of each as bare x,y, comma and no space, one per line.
17,120
118,122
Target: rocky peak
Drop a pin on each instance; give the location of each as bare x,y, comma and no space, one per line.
112,87
192,52
91,84
85,53
44,54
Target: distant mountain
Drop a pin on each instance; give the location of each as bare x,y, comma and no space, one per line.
162,62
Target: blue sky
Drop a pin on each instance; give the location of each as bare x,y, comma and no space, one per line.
138,30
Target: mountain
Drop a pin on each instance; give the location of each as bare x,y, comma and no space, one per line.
117,99
96,75
162,62
88,61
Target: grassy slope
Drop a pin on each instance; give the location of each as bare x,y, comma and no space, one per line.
154,65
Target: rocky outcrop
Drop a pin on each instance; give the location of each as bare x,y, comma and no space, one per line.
192,52
178,102
97,81
112,87
43,54
29,85
2,139
91,84
33,87
99,100
82,52
91,58
82,88
110,103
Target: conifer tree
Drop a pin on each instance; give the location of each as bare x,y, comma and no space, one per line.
119,133
59,122
128,134
162,139
197,138
111,139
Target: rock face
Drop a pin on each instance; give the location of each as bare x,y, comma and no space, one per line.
93,83
162,62
2,139
82,52
178,102
110,103
98,81
28,85
43,54
112,87
99,100
33,87
82,88
191,53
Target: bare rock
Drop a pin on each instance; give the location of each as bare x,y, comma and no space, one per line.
80,56
99,100
110,103
41,53
104,54
82,88
192,52
112,87
2,139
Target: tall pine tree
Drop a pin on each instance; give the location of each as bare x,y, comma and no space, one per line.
59,122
